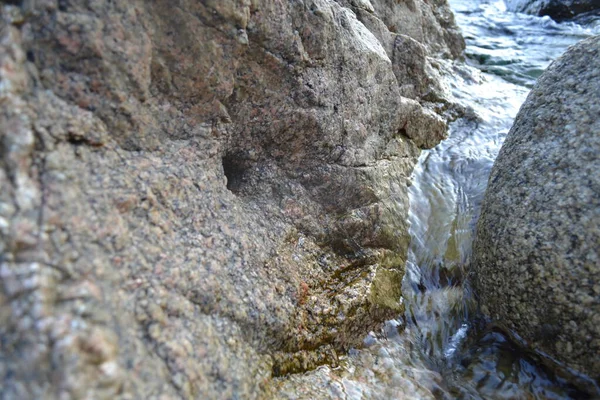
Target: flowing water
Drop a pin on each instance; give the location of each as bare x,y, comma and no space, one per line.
440,348
474,358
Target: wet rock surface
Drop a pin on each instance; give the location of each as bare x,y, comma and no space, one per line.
536,255
197,196
558,10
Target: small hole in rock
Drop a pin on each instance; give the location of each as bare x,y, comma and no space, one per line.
234,169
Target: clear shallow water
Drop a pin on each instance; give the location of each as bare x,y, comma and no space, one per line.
517,47
474,358
439,349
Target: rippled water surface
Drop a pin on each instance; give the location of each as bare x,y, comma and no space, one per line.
475,359
517,47
439,348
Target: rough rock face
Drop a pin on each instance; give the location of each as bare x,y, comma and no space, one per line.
558,10
537,252
199,195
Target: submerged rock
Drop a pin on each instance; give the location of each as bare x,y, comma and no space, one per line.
199,195
537,251
558,10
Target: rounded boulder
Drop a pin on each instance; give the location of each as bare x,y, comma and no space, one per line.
536,260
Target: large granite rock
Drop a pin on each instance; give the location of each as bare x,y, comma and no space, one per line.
537,252
558,10
199,195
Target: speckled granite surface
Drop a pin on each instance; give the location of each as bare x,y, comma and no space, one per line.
537,252
199,195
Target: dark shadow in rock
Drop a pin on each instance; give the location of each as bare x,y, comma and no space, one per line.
235,169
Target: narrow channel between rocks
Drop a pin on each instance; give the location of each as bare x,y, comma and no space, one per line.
445,350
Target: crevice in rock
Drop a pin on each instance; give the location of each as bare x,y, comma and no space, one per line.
235,170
